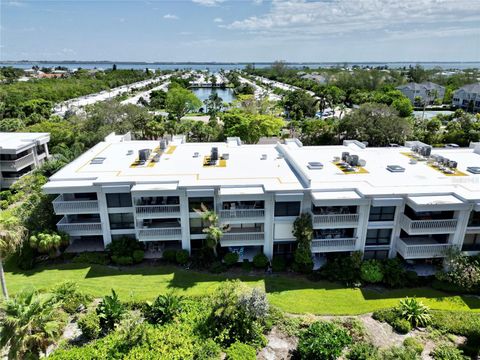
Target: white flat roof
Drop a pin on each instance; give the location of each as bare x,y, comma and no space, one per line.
20,141
154,187
334,195
435,200
242,191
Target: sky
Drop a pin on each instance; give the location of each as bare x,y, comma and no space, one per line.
240,30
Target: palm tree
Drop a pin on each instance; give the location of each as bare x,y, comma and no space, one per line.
30,324
214,230
12,234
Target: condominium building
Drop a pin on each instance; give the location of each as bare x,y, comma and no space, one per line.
412,201
467,98
20,153
424,93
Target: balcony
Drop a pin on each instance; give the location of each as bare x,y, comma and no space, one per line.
80,228
154,211
333,245
160,234
334,220
241,214
243,239
421,227
18,164
421,248
63,207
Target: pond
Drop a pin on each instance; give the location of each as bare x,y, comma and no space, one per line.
203,93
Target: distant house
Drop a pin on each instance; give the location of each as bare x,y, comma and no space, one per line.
424,93
467,97
315,77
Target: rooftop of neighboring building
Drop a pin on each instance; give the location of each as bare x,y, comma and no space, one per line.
20,141
470,88
427,85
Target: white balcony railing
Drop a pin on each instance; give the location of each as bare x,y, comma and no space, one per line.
17,164
243,239
61,207
421,251
419,227
148,211
81,228
335,220
160,234
242,213
332,245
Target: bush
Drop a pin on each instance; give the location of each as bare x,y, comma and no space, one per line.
208,350
110,311
122,260
363,351
415,312
138,256
217,267
123,248
164,309
239,351
394,273
386,315
89,324
181,257
70,298
170,255
279,264
402,326
411,278
413,343
447,352
230,258
91,258
260,261
26,257
345,269
400,353
247,265
322,340
371,271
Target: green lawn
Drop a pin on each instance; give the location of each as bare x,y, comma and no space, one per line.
292,294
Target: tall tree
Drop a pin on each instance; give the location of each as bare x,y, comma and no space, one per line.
213,104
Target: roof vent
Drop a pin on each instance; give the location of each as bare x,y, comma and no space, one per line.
395,168
97,160
130,152
474,169
225,156
264,157
315,165
196,154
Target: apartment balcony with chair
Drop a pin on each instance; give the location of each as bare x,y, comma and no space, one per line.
157,207
17,164
67,204
244,235
161,229
78,226
422,247
427,226
334,216
233,210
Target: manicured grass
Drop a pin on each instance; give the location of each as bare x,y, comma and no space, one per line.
291,294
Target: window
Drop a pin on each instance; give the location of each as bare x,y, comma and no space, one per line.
195,203
375,254
378,237
121,221
474,219
291,208
382,213
471,242
119,200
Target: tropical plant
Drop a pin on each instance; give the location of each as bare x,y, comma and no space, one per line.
415,312
69,296
164,309
371,271
12,234
89,324
214,230
110,311
48,243
447,352
31,322
230,258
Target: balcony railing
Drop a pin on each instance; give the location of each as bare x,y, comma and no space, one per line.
421,251
242,213
243,239
419,227
335,220
61,206
17,164
332,245
160,234
148,211
80,228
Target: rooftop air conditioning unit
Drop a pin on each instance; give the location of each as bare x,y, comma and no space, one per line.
130,152
225,156
163,144
143,154
264,157
214,154
362,162
344,155
196,154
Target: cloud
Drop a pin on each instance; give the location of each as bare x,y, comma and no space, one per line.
16,3
218,20
208,2
170,17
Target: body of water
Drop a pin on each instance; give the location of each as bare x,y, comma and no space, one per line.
215,67
203,93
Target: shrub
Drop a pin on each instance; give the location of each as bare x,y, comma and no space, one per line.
91,258
400,353
239,351
110,311
363,351
415,312
138,256
345,269
122,248
279,264
371,271
164,309
217,267
70,298
230,258
247,265
181,257
413,343
170,255
322,340
402,326
260,261
48,243
386,315
463,271
447,352
208,350
394,273
122,260
89,324
411,278
303,261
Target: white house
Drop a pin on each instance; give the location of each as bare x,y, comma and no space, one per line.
467,97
